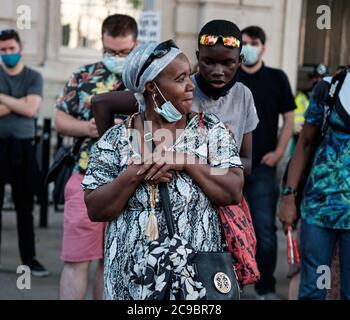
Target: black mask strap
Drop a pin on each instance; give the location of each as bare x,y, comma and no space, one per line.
211,92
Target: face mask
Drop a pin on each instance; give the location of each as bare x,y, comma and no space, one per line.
167,109
251,55
214,93
114,64
11,60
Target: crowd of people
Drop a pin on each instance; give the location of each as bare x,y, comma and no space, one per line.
216,140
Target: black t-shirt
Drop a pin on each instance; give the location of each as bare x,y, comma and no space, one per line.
272,96
27,82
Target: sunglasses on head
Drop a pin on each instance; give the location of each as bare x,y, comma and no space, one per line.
160,51
211,40
7,32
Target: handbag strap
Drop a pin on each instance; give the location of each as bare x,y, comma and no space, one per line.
77,146
163,189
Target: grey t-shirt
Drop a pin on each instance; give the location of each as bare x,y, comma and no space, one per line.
236,109
27,82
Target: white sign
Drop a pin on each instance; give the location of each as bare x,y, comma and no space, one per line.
150,26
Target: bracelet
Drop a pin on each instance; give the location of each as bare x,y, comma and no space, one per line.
286,191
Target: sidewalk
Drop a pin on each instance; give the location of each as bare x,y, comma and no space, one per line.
48,246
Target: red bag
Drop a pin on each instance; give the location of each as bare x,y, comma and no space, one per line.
241,240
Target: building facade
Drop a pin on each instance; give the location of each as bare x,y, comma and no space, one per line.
64,34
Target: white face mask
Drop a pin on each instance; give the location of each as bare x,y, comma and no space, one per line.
114,64
251,54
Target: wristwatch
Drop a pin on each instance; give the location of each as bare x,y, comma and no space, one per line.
286,191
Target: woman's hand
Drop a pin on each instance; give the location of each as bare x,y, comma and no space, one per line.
287,212
159,164
271,158
166,178
146,169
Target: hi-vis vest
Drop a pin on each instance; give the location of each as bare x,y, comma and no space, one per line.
302,102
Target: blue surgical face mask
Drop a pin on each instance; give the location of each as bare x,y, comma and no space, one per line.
167,109
11,60
251,54
114,64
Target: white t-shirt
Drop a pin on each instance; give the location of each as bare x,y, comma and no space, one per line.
236,109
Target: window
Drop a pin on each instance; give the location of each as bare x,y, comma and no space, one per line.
81,20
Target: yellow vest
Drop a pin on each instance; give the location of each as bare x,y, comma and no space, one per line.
302,102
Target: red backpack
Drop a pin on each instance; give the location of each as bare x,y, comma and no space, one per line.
239,232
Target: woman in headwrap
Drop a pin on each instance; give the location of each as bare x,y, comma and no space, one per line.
198,160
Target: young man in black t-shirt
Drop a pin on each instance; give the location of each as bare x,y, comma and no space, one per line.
20,98
273,96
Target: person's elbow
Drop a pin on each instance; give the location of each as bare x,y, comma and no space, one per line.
98,214
95,211
229,199
234,194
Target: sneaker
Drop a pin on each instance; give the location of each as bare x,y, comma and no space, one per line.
37,269
268,296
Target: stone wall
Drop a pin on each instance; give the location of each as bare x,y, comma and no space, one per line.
181,20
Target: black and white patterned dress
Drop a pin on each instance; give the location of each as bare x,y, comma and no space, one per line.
195,216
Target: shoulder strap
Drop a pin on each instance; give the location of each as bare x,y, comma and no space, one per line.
163,189
336,84
333,93
77,145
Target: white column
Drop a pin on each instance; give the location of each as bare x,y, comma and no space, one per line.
291,40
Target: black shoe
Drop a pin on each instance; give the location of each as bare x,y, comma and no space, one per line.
36,268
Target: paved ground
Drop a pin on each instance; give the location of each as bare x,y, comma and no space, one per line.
48,242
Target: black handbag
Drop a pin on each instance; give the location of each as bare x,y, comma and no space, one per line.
61,169
214,269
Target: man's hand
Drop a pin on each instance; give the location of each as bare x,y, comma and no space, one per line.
27,106
271,158
287,212
92,129
298,127
4,111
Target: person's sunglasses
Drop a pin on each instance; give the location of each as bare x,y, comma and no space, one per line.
160,51
7,32
228,41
